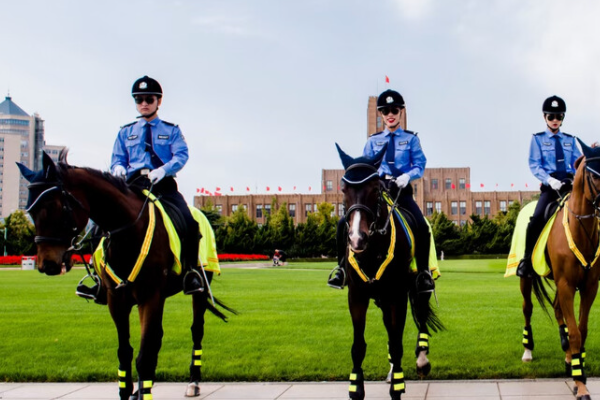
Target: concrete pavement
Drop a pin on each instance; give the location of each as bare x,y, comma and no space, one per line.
537,389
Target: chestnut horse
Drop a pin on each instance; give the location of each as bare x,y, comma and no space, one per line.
572,253
62,198
378,263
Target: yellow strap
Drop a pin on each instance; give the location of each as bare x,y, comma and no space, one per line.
398,375
352,377
423,344
352,388
122,374
197,352
423,336
147,384
572,244
398,387
575,361
122,384
145,245
197,362
386,262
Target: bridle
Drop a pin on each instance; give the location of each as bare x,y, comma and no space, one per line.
592,188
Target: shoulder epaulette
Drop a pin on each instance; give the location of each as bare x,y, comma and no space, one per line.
568,134
169,123
129,124
378,133
411,132
539,133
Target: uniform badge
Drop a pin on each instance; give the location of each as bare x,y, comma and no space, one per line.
379,143
555,103
389,99
567,144
547,144
163,136
132,137
143,85
402,143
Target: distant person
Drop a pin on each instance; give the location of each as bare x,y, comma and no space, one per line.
404,161
552,157
152,151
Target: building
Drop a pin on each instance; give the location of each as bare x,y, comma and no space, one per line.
446,190
21,140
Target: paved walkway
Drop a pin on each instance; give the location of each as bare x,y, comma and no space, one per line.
546,389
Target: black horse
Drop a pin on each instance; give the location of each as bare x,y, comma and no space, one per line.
378,258
62,198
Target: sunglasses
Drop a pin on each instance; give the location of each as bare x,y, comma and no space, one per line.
387,110
552,117
140,99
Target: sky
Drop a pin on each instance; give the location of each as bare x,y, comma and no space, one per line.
263,89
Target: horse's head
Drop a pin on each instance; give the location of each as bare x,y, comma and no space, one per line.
591,171
58,216
361,188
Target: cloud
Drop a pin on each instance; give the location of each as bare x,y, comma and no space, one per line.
414,9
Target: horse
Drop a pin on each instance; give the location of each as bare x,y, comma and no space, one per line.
378,258
572,253
62,199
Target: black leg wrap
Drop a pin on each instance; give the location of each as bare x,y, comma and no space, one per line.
356,391
422,344
145,390
397,386
583,356
196,366
528,338
564,337
577,370
125,384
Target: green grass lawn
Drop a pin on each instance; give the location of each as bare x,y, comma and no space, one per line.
291,327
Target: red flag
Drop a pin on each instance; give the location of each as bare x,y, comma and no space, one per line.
268,188
218,188
218,194
247,189
324,188
294,187
512,185
279,188
338,188
468,185
481,184
202,190
309,188
526,185
387,80
197,190
208,193
452,186
231,188
496,185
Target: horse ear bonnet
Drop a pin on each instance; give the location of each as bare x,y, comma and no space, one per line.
361,169
592,157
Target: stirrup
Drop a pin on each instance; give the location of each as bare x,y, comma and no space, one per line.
195,290
88,295
334,272
427,273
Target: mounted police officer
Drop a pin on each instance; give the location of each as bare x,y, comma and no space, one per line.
552,157
151,150
403,162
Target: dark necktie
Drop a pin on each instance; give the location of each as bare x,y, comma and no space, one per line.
560,155
390,156
154,159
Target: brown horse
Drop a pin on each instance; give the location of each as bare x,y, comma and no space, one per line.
378,259
62,199
572,254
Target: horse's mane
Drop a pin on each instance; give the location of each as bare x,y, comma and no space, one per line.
63,167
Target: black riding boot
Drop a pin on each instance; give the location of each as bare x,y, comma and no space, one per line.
424,281
96,293
525,268
337,277
192,280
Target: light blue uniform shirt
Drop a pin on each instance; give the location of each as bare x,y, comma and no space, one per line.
542,154
409,157
167,141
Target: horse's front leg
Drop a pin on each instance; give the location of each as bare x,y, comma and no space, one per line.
199,303
526,286
120,310
358,312
422,348
394,318
151,315
566,295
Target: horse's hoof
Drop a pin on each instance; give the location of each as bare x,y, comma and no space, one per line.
527,356
584,397
388,378
575,390
423,371
193,390
134,396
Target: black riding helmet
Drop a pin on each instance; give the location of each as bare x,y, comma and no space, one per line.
390,98
554,105
146,85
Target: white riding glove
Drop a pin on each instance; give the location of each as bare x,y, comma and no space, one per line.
157,174
119,171
402,181
554,183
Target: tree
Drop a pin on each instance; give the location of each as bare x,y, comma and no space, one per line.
19,235
445,234
237,234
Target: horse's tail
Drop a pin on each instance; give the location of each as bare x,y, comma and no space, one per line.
541,294
213,309
423,314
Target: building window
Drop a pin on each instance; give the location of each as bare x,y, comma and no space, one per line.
341,210
307,209
415,189
510,202
219,208
462,183
463,208
438,206
234,208
429,208
487,207
478,207
246,208
267,209
503,205
259,211
292,208
434,184
454,208
329,186
448,183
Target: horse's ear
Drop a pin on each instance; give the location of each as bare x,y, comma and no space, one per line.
578,161
378,157
48,167
26,172
346,159
62,156
585,149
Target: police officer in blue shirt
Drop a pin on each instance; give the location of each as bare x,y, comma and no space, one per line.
552,157
403,162
154,150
